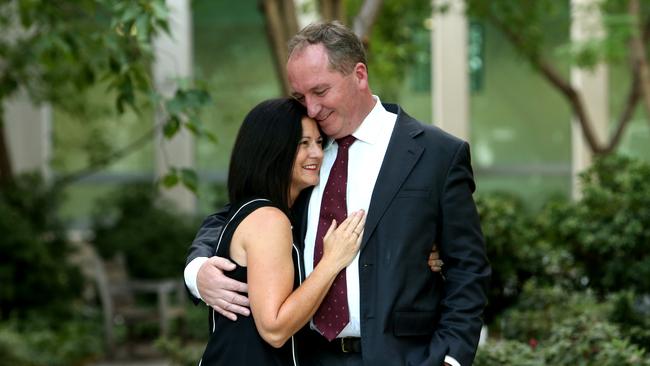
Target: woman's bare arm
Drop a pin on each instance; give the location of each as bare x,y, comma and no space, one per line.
267,242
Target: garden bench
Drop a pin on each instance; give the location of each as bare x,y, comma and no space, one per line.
117,293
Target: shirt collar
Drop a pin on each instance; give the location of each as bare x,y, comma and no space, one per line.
368,131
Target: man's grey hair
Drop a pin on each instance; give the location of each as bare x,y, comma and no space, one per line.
344,49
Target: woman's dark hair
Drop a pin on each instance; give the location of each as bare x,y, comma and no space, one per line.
262,158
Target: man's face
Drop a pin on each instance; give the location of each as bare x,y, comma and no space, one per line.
332,99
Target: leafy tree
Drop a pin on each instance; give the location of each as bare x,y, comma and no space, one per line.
57,49
387,25
627,31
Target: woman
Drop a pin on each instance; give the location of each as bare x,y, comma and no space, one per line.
277,154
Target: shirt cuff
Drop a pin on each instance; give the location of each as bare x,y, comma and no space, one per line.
452,361
190,274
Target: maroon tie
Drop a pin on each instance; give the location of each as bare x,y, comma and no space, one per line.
333,315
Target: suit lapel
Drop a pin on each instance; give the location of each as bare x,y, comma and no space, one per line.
402,154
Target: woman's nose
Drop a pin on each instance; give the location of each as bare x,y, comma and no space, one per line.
316,151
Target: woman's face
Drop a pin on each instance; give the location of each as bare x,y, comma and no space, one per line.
309,157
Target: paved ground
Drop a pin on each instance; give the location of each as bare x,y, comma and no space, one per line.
133,363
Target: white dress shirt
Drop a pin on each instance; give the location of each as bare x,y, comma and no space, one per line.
365,157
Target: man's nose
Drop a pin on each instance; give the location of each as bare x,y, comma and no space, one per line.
313,107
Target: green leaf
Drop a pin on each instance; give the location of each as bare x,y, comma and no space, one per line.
142,27
160,10
190,179
195,128
129,14
211,136
174,106
171,127
170,179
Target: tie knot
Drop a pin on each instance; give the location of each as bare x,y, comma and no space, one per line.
346,141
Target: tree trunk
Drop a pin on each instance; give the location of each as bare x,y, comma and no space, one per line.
6,170
639,58
572,96
364,21
332,10
281,25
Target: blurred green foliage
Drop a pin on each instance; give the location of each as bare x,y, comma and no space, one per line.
136,222
505,352
508,248
632,313
540,308
591,341
608,230
36,343
534,41
396,43
35,275
570,281
580,340
179,353
598,242
57,51
551,326
59,48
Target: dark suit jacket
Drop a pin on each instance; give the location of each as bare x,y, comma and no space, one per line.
423,194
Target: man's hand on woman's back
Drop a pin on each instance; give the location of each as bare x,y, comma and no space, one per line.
220,292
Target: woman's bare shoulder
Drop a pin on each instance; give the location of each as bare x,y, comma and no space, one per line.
267,220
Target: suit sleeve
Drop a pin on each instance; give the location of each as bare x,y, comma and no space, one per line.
466,270
205,241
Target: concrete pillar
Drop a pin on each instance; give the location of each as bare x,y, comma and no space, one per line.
592,85
449,69
29,133
173,62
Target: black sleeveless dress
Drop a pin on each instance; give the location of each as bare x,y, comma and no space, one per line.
238,342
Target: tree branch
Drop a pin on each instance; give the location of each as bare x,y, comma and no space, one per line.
107,160
332,10
555,79
363,22
281,24
639,58
626,115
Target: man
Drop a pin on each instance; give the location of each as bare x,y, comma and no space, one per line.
415,183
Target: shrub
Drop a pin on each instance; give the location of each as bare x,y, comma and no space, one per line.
540,308
35,342
632,313
179,353
588,341
599,242
152,237
514,250
583,340
607,230
499,353
13,349
503,229
33,246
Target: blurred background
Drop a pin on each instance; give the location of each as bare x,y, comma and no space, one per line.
118,117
